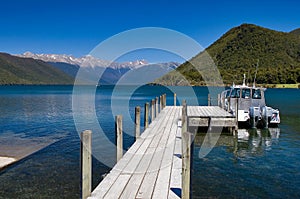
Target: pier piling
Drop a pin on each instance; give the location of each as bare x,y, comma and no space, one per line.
119,136
186,154
146,116
156,106
175,99
86,163
160,103
137,122
152,110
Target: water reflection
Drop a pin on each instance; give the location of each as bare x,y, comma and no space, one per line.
247,142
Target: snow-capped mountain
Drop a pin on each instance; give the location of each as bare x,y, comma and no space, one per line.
85,61
110,73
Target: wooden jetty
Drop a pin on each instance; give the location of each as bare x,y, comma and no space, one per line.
158,164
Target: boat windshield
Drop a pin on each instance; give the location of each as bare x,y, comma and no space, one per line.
256,94
227,93
246,93
235,93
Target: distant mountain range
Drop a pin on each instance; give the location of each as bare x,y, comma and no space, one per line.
30,68
85,61
16,70
239,51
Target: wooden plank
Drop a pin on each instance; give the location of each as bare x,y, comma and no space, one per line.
198,121
110,179
117,188
131,166
222,122
207,111
161,189
217,122
133,185
137,156
148,184
142,174
105,185
138,175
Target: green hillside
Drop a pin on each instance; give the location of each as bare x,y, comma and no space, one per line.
16,70
238,51
296,31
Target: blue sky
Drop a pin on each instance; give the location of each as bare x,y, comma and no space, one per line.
76,27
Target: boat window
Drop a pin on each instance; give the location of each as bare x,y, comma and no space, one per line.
227,93
246,93
256,94
235,93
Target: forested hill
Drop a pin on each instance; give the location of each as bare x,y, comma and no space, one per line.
16,70
240,49
296,31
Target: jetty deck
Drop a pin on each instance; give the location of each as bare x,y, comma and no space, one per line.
152,167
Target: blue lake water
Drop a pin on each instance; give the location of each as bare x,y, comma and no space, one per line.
265,164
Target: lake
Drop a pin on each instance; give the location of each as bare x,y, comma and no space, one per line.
256,164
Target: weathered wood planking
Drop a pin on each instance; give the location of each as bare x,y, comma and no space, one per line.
204,116
146,169
152,167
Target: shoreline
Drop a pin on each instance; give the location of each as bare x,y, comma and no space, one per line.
295,86
22,147
6,161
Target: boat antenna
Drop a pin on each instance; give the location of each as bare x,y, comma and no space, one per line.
255,72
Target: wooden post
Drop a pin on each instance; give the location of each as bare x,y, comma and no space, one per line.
228,105
119,136
237,114
219,100
186,164
223,102
186,153
156,106
175,98
161,103
146,116
152,110
184,109
137,122
209,100
165,100
86,163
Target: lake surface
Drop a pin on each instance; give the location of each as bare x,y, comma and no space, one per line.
256,164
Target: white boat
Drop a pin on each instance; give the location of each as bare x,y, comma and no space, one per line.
251,105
